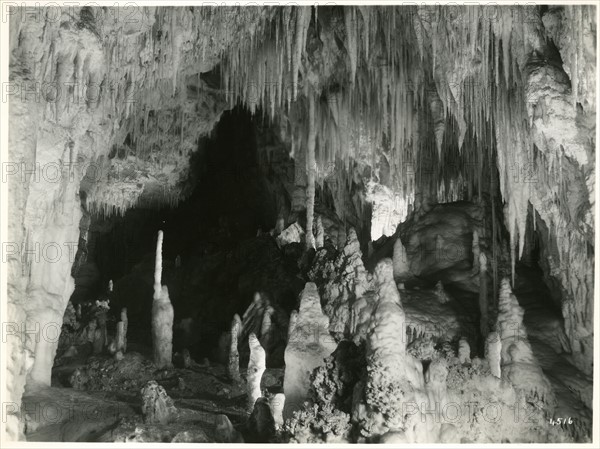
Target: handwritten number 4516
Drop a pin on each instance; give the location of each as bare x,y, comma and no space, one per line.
559,421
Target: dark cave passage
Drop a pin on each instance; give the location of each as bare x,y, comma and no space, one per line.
217,250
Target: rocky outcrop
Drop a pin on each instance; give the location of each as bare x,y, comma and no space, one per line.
438,244
292,234
157,406
342,282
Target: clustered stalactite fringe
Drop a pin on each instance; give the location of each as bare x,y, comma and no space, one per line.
475,85
466,79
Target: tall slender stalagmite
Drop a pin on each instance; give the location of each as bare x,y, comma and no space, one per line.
233,365
320,237
256,368
311,167
121,338
483,295
162,314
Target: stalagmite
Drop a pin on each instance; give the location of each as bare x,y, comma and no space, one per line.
476,250
519,365
493,347
256,368
320,237
121,338
162,315
260,426
233,364
400,261
98,342
311,168
276,403
308,346
394,376
343,287
437,395
101,311
464,351
441,293
125,322
265,328
483,295
118,343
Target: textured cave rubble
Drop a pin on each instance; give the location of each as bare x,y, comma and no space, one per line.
339,224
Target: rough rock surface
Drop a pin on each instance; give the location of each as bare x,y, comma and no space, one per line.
292,234
439,243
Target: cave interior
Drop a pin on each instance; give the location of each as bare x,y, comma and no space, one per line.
340,224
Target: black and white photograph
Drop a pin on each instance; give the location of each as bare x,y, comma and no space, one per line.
301,222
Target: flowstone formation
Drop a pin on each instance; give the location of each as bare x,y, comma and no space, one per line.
309,344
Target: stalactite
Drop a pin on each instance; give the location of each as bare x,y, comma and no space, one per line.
351,40
311,169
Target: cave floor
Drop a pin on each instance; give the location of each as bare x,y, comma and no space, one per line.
200,393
